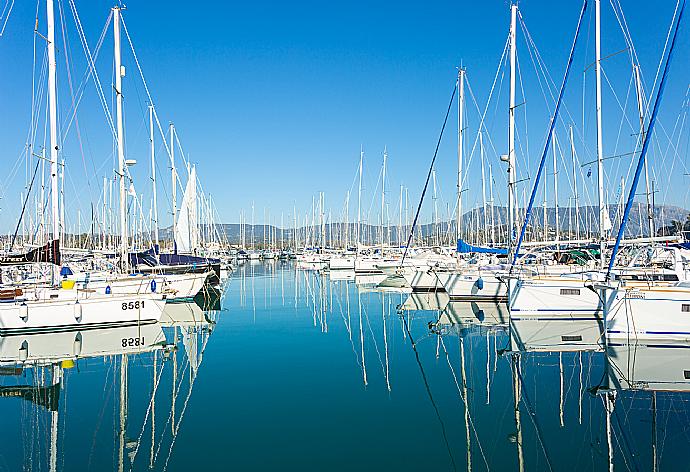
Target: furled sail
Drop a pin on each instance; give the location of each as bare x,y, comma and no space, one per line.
187,229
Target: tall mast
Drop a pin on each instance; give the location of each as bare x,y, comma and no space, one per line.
173,175
577,204
555,191
347,220
383,197
359,199
435,237
105,209
512,199
119,73
153,177
491,196
461,105
600,145
52,115
640,108
400,220
481,155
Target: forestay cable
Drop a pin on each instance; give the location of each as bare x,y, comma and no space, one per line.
549,136
428,176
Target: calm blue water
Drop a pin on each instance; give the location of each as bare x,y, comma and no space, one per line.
301,372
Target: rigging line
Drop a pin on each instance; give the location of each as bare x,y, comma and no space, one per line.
428,177
146,88
532,414
548,79
618,12
71,90
92,65
85,78
482,123
645,144
528,213
7,17
26,200
457,386
428,391
663,52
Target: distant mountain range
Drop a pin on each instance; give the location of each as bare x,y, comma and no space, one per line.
474,222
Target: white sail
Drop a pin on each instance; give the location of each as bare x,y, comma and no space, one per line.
187,229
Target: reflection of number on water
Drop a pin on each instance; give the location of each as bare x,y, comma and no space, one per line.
132,342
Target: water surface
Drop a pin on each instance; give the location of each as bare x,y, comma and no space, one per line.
300,371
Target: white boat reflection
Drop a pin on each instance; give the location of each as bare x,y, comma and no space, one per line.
51,348
339,275
183,314
556,335
475,313
653,368
426,301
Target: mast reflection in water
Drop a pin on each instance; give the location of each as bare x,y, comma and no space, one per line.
309,370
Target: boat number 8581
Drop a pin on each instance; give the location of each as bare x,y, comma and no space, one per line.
133,305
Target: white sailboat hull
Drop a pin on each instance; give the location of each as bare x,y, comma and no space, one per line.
549,298
75,309
476,285
172,286
655,314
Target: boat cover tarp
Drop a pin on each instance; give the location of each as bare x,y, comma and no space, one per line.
465,248
152,258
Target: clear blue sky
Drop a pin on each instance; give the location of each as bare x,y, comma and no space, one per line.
272,100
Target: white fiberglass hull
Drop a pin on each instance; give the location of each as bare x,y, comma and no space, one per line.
342,263
172,286
476,285
549,298
367,266
650,314
426,280
73,309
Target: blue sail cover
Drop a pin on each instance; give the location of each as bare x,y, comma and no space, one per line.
465,248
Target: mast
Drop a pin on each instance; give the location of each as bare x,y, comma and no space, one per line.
491,192
555,191
347,220
153,177
640,108
173,174
383,197
400,216
600,143
359,199
461,105
52,115
119,73
481,155
435,234
577,207
512,199
105,209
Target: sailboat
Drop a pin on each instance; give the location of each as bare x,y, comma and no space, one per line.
46,306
